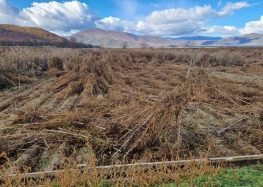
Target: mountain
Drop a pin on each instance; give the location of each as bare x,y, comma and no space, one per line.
252,39
113,39
199,38
13,35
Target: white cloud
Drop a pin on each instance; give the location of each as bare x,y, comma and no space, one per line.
176,21
72,16
229,8
8,13
53,16
253,27
128,7
114,23
169,22
198,13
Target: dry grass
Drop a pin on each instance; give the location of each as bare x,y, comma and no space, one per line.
13,35
130,106
132,176
35,32
55,63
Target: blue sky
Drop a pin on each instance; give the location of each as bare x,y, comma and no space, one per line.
106,8
153,17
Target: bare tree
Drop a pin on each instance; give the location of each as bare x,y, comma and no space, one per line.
144,45
124,45
190,44
73,39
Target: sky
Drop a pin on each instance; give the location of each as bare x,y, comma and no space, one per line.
172,18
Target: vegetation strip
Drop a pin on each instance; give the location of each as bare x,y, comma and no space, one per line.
234,160
247,176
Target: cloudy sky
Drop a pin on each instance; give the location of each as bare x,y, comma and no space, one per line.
152,17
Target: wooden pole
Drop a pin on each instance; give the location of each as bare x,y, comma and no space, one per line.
234,160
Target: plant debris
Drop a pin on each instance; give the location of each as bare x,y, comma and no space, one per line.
130,105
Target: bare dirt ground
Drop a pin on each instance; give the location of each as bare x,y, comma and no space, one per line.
128,105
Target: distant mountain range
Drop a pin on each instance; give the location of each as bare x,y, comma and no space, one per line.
12,35
106,38
199,38
253,39
113,39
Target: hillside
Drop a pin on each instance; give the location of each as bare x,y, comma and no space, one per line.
12,35
252,39
113,39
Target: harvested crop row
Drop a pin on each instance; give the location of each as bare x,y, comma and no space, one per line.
129,105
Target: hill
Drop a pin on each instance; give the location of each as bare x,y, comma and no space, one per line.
13,35
113,39
252,39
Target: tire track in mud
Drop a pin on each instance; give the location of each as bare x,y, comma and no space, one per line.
25,100
20,97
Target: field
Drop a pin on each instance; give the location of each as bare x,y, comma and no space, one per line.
127,105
